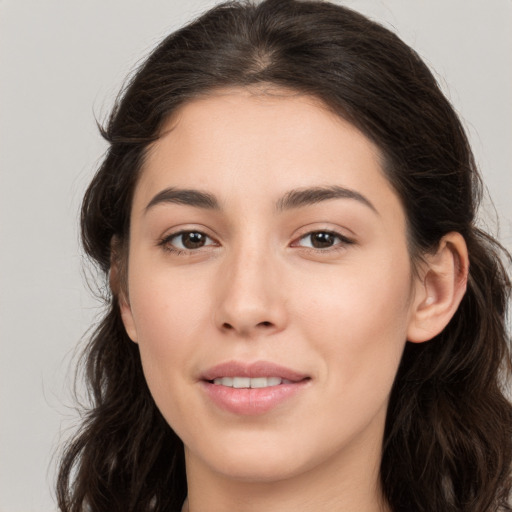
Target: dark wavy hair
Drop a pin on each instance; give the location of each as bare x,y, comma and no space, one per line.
448,442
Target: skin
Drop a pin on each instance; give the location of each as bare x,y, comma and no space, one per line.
257,290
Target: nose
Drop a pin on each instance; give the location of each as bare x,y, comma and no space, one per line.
250,299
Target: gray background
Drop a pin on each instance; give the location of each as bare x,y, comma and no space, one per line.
61,64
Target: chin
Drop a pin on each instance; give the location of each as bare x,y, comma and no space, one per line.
257,469
254,460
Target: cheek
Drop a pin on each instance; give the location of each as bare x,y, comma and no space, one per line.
372,292
165,303
169,320
358,323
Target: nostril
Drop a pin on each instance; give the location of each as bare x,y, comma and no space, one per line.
230,327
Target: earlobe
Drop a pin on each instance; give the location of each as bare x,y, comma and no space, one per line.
440,289
127,317
118,285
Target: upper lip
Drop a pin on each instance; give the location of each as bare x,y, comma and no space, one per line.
252,370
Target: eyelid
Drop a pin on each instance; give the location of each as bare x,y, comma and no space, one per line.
165,241
341,244
344,237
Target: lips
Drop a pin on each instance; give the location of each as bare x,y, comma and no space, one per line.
252,389
258,369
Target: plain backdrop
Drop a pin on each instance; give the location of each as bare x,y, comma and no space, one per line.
61,64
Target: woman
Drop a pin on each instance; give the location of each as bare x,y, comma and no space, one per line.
303,315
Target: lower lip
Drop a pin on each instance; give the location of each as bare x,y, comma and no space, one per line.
251,401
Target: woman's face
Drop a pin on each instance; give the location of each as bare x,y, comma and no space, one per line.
266,239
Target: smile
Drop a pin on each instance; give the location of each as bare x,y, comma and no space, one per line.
247,382
254,388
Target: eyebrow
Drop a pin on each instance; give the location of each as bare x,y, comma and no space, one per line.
308,196
189,197
296,198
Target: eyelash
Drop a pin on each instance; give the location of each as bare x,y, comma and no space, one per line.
165,242
343,242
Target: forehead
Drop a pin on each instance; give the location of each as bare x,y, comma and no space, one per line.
264,115
249,142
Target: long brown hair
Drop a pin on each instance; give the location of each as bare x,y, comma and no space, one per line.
448,442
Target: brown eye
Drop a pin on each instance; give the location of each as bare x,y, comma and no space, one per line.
193,239
187,241
323,240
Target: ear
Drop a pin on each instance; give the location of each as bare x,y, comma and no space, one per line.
127,317
119,285
439,289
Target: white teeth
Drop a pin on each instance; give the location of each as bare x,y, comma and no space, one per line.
264,382
247,382
241,382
